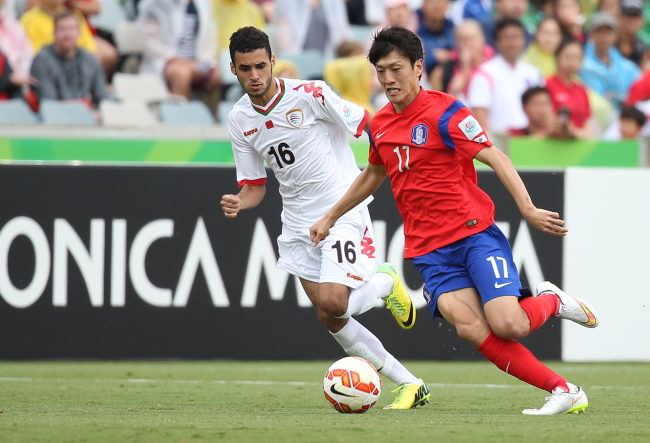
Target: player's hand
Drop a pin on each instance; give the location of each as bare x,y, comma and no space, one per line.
547,221
231,205
319,231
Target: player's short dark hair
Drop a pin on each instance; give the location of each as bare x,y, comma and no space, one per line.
395,38
633,113
532,92
564,43
506,22
248,39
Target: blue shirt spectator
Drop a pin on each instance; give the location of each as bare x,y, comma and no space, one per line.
436,32
604,69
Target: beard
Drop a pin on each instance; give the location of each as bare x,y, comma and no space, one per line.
262,91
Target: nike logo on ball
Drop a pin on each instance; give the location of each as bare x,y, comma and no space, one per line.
335,392
497,285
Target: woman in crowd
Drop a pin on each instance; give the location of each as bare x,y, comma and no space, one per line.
569,97
454,75
541,52
569,15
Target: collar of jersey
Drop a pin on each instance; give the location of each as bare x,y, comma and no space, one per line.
274,102
414,105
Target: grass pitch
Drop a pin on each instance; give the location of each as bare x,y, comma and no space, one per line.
283,402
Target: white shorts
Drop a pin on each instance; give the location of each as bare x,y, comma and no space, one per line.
346,256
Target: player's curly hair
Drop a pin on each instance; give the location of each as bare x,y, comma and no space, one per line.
248,39
395,38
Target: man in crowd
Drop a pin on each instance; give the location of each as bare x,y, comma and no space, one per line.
436,32
604,69
495,90
66,72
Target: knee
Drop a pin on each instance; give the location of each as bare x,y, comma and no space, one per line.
511,328
178,74
474,332
332,307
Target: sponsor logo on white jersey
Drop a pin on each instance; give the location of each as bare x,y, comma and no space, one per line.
345,111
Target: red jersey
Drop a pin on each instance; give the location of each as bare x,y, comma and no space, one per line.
573,97
428,151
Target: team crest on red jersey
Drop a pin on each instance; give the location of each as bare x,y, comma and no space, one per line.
420,134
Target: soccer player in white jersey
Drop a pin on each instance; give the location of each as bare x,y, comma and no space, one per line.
300,128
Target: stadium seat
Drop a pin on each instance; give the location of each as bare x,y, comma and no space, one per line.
234,93
143,87
16,112
192,113
127,38
361,34
54,112
224,109
310,63
224,64
127,114
111,14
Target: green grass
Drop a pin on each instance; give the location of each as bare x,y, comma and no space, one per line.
214,401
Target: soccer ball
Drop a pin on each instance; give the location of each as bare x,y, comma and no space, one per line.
352,385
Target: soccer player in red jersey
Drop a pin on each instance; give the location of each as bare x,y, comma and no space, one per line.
426,141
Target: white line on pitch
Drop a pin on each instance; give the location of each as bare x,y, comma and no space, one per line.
284,383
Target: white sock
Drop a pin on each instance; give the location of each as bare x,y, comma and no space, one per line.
358,341
364,298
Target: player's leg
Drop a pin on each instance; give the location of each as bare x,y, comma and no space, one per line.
462,308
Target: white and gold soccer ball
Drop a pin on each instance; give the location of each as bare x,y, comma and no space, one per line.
352,385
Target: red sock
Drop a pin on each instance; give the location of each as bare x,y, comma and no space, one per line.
539,309
514,359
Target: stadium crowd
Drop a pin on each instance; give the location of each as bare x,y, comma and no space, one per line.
573,69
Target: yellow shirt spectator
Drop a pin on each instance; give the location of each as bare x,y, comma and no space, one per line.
39,26
351,77
230,15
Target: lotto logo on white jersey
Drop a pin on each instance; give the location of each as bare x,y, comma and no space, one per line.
470,127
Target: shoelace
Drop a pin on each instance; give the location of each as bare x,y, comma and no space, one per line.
550,401
401,390
393,302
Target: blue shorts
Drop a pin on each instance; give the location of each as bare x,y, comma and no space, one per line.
482,261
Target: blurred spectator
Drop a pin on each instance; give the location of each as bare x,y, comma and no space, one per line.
496,88
8,9
356,10
471,51
39,25
541,52
604,69
631,21
542,121
230,15
506,9
318,24
106,52
9,88
631,122
569,15
15,47
610,6
179,44
66,72
285,69
570,98
351,75
639,91
399,12
436,32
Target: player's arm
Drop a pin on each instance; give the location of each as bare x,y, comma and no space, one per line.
542,219
249,197
363,187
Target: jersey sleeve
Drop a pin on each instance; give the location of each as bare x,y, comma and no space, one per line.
374,157
461,131
249,164
327,105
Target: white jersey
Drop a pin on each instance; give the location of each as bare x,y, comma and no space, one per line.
302,135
